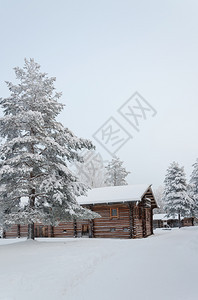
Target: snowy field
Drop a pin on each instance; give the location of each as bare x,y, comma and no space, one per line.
164,266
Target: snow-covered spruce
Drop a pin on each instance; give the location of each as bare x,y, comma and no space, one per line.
193,187
116,174
177,201
35,152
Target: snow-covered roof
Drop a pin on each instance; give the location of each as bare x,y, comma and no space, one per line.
160,217
163,217
114,194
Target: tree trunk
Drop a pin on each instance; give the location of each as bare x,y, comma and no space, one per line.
31,231
18,230
179,220
52,230
31,225
32,196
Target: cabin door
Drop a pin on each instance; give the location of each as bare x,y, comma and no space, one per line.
85,230
41,231
45,231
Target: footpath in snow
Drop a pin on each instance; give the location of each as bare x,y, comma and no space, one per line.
164,266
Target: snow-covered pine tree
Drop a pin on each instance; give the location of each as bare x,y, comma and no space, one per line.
193,188
116,174
35,182
177,201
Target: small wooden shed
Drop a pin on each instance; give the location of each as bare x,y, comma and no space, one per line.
162,221
191,221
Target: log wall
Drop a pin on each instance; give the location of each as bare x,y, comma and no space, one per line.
12,232
158,224
188,222
64,229
109,226
130,221
23,230
137,222
148,221
142,221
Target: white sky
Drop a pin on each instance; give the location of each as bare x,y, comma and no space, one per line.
101,52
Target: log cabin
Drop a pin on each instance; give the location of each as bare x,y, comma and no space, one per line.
162,221
191,221
126,212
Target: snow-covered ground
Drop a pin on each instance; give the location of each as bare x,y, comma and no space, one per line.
164,266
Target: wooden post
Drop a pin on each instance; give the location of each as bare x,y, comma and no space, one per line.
91,225
75,228
134,220
92,228
143,215
151,220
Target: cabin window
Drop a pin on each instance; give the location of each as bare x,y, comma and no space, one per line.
112,229
85,229
125,229
64,231
114,212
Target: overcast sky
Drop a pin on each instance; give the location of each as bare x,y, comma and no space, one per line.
101,53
